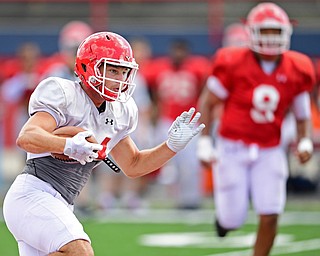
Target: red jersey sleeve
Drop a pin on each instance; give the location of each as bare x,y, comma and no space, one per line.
224,63
304,70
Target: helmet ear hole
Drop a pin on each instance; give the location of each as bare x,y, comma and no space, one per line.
84,67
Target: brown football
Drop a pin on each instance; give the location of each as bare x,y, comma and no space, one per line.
68,132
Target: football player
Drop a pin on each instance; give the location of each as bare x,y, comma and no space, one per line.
235,34
257,85
61,64
176,83
38,208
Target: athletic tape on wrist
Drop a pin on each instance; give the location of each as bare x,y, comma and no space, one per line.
305,144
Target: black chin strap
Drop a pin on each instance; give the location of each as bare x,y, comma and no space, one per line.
102,107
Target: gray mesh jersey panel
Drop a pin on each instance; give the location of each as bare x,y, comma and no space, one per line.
67,178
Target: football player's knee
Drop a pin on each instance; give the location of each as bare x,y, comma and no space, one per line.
78,247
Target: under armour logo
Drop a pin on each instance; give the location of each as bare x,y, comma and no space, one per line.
281,78
109,121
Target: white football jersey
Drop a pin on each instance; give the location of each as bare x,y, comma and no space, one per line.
67,102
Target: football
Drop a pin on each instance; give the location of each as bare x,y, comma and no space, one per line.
68,132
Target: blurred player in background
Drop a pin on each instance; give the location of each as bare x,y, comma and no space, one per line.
235,34
23,74
176,84
17,88
70,37
257,86
38,208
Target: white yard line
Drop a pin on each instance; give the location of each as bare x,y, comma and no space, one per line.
206,217
298,246
241,253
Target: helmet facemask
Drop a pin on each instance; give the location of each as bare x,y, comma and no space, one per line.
269,29
125,89
271,43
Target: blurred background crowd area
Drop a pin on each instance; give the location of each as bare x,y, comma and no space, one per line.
173,41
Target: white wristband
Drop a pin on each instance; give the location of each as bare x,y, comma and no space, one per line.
305,145
205,149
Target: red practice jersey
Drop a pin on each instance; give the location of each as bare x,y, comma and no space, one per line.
178,88
257,102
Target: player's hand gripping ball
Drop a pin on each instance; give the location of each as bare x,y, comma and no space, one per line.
80,146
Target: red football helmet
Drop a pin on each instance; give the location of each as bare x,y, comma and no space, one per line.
235,34
72,34
269,16
106,48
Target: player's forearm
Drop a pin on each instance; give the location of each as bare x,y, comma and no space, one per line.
36,140
206,107
305,145
303,129
149,160
206,118
137,163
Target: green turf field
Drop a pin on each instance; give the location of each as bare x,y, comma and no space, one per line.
178,233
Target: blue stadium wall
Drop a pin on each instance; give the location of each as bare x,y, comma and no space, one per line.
201,43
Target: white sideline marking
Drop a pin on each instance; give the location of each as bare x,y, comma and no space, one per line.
241,253
206,240
299,246
284,243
